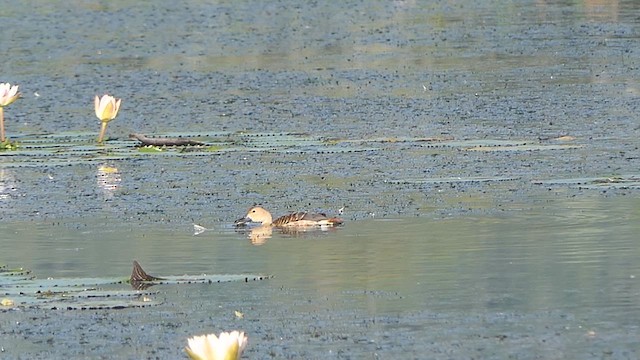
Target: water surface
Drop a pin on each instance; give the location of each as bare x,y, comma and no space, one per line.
566,272
485,155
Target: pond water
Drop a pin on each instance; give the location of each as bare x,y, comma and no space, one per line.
559,280
485,156
577,256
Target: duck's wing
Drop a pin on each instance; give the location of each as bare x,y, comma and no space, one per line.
306,219
290,218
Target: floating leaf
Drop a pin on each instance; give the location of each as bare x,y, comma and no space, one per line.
24,290
525,147
98,305
392,140
150,149
471,179
79,148
8,145
208,279
611,182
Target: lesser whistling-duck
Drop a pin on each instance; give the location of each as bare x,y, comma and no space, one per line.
258,214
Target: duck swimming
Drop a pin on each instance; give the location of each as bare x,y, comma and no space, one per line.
258,214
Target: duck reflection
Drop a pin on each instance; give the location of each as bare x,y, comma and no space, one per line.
258,235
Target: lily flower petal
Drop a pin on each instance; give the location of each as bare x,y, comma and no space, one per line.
228,346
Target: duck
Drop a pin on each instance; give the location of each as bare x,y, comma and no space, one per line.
258,214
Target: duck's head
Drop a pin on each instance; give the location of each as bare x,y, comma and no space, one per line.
256,214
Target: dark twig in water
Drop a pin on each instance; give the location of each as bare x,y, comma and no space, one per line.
164,141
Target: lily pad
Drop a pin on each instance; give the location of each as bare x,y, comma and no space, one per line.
525,147
25,290
113,304
394,140
472,179
80,148
149,149
612,182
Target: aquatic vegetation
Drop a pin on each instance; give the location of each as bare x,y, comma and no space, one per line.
451,180
25,290
150,149
78,147
106,110
628,181
226,346
8,94
524,147
214,148
8,145
164,141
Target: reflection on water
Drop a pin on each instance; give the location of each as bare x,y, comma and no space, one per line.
7,184
258,235
108,179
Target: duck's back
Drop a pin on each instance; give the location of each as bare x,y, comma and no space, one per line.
304,218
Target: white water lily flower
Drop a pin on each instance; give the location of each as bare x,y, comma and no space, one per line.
106,110
107,107
227,346
8,94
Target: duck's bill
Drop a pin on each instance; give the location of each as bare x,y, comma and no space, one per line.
242,221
